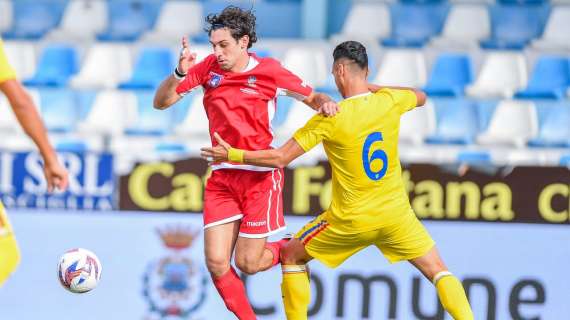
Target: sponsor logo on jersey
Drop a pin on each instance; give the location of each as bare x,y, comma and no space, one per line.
248,91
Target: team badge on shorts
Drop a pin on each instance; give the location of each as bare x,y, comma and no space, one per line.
215,79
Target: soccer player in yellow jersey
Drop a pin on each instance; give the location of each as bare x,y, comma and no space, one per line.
55,174
369,205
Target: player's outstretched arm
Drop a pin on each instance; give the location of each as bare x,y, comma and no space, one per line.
273,158
166,94
322,103
420,95
29,119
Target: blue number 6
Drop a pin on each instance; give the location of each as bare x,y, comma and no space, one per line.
377,154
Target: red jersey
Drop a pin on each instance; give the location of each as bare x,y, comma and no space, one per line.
241,105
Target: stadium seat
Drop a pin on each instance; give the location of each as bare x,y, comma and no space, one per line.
129,19
465,26
176,18
555,33
372,17
554,126
308,63
450,75
298,115
82,19
59,109
565,160
281,112
151,121
8,121
515,25
57,64
104,66
32,19
418,123
476,158
502,74
513,123
402,68
195,124
456,122
550,79
121,105
152,67
6,13
22,57
413,24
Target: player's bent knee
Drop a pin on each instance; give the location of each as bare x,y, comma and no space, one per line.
217,266
247,265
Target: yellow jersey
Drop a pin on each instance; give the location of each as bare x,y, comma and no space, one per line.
6,71
361,143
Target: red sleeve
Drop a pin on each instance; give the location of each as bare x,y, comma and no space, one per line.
195,76
290,84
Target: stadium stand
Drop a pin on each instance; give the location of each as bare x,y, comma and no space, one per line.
471,57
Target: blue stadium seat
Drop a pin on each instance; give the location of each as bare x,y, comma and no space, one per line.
514,25
153,65
550,79
456,122
129,19
281,112
565,160
59,109
57,64
155,122
554,126
475,158
413,24
450,75
33,18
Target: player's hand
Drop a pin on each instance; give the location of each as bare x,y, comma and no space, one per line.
218,153
187,59
56,176
329,109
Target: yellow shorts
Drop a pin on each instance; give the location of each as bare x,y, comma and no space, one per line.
404,239
9,253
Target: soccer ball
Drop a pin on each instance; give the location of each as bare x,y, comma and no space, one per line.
79,270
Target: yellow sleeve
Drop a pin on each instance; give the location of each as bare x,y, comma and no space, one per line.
404,100
6,71
317,129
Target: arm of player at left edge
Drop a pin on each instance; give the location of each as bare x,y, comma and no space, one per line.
273,158
322,103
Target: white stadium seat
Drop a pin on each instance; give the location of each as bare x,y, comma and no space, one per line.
502,74
466,24
418,123
111,113
81,20
299,113
22,57
513,123
402,68
5,15
196,124
555,34
308,63
105,66
366,21
177,18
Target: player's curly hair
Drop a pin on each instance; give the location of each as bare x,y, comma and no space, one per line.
240,22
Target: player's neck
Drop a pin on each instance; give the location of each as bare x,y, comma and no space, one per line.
241,64
355,87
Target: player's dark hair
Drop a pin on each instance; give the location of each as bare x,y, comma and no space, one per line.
352,50
240,22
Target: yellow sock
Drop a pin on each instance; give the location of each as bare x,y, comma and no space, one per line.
296,292
452,296
9,256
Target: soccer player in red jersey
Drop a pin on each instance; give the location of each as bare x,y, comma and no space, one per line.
243,203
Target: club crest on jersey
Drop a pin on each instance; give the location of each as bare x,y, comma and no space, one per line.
251,81
215,79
